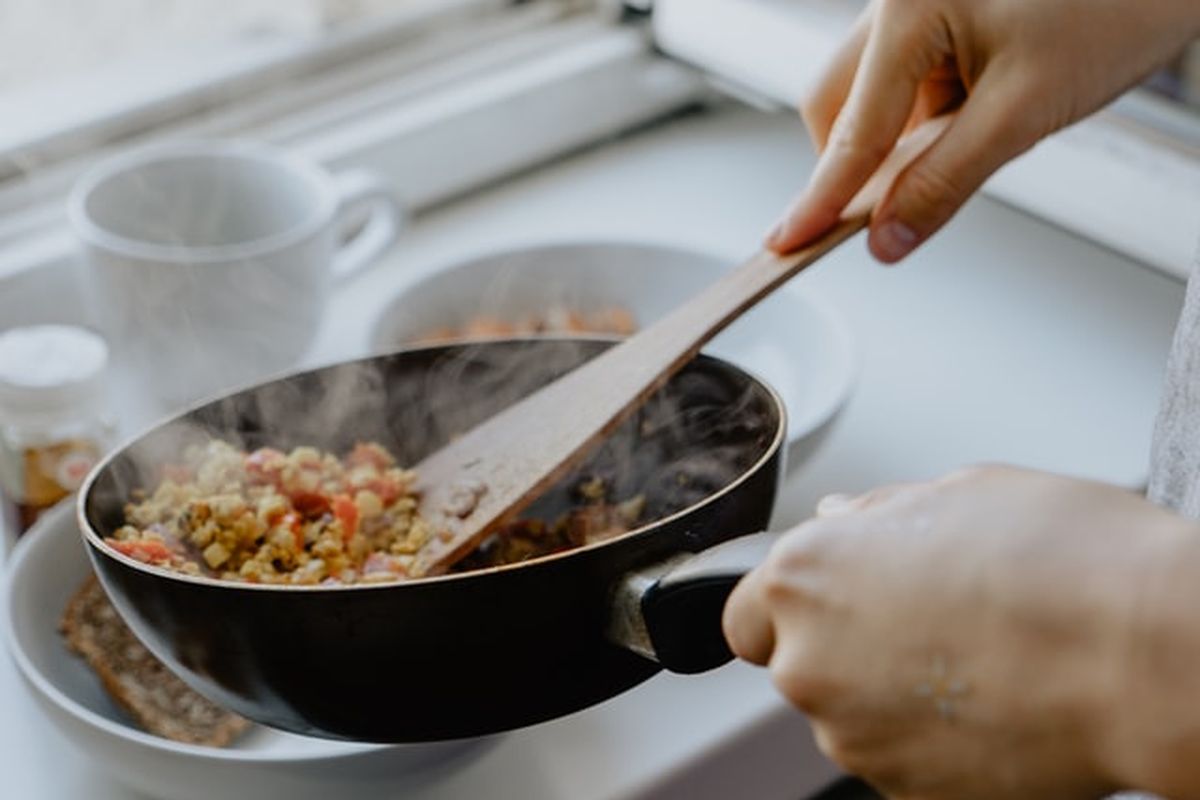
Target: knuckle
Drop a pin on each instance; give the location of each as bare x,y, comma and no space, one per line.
816,123
1025,90
897,9
976,472
895,780
850,139
909,21
890,495
778,582
928,194
882,494
790,562
825,739
967,473
799,683
828,743
886,774
812,105
835,748
1022,134
740,644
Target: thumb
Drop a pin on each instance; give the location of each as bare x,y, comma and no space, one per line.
995,125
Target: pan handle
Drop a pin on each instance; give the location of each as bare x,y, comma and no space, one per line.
671,612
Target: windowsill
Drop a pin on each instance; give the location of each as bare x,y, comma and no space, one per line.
102,98
71,116
433,133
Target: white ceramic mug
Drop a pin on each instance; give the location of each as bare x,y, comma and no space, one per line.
209,264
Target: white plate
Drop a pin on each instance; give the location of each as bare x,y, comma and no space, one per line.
794,340
46,568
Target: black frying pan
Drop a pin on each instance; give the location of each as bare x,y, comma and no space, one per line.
477,652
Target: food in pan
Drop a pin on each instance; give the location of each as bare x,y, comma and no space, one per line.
137,681
304,517
594,521
309,517
559,320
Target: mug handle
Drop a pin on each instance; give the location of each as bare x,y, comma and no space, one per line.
355,189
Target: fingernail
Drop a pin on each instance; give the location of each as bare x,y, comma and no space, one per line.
893,240
783,228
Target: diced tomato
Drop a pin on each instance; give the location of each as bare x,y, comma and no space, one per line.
264,458
145,550
345,512
383,562
368,454
309,504
265,465
387,489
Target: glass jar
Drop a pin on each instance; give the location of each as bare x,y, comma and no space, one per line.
55,422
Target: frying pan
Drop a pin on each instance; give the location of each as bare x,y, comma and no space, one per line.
476,652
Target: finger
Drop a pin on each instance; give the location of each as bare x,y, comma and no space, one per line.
966,473
821,106
900,51
747,622
836,504
993,127
935,98
833,504
801,674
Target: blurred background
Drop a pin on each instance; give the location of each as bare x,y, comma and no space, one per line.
47,40
1034,330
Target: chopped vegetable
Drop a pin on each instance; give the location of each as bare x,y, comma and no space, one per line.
146,550
302,517
308,517
345,512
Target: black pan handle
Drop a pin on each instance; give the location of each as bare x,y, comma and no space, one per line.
671,612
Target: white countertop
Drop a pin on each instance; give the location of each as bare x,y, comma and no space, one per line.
1004,340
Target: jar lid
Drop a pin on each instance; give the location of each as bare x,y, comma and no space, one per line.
47,369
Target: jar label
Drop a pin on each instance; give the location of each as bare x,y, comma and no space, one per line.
73,467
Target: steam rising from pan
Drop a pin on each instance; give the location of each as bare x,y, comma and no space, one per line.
686,443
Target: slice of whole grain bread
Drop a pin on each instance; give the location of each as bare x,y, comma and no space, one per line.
155,698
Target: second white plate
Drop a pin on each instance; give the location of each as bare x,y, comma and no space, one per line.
794,340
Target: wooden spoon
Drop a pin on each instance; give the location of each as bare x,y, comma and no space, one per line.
492,472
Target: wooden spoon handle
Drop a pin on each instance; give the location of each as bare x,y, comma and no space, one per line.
499,467
662,348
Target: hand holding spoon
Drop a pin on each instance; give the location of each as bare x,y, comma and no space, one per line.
492,472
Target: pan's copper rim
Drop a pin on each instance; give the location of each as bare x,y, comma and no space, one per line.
98,546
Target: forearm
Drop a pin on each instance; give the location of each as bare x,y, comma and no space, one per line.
1151,741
